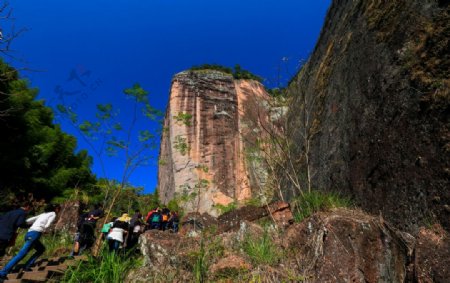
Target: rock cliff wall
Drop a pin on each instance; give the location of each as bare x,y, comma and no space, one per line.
202,157
374,98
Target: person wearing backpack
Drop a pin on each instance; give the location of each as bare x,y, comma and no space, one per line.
156,220
107,227
39,223
148,218
165,214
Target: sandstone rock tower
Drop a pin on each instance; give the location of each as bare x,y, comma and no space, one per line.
202,156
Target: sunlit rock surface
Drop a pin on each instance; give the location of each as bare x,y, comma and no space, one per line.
205,138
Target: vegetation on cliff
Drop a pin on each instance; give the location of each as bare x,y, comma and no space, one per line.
237,72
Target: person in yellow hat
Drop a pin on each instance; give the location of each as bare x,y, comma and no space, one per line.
124,218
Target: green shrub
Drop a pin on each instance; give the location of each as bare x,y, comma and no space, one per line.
261,249
314,201
181,145
183,118
237,73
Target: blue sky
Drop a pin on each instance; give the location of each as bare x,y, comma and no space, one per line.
86,52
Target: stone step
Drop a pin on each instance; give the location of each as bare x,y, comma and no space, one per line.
13,281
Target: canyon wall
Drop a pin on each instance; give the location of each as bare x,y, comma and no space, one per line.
374,101
205,138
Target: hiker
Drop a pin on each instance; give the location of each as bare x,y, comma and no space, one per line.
124,218
9,223
96,213
165,214
107,227
174,221
155,220
136,219
135,229
85,236
116,236
39,224
76,244
148,218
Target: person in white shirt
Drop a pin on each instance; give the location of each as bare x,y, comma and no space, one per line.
116,236
39,224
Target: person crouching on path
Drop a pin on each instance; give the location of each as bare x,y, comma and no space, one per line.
9,224
39,224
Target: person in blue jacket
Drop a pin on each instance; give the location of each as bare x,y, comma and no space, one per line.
9,223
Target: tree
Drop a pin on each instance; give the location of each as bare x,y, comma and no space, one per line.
8,30
269,141
133,147
36,156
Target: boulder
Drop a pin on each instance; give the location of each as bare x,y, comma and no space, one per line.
193,223
281,213
67,219
164,248
350,246
229,265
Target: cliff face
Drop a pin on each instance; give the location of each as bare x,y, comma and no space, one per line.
202,156
374,100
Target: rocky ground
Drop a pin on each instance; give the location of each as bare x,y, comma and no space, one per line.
341,245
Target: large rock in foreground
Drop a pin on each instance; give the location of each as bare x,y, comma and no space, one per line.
336,246
350,246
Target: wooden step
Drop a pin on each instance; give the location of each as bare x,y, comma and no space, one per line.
45,270
35,276
15,275
59,269
81,257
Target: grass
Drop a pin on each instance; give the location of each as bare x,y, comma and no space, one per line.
261,249
200,267
226,208
109,267
315,201
210,250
